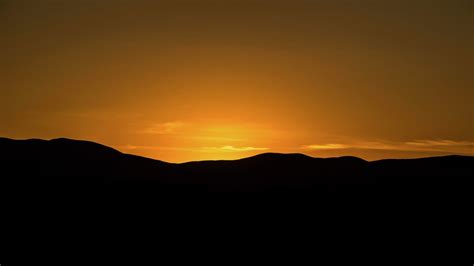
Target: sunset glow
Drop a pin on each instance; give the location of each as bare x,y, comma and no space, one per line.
210,80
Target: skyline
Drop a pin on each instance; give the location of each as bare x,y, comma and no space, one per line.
192,80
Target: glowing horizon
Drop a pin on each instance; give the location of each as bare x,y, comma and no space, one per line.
194,80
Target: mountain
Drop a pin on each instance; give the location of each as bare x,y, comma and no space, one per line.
63,160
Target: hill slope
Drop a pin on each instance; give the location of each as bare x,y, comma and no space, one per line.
65,158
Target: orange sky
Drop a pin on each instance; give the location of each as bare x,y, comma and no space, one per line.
190,80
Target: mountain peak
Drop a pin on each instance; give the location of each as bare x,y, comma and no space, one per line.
274,155
59,148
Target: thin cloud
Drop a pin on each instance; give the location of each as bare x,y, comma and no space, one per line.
440,143
330,146
232,149
224,139
155,148
195,149
166,128
436,145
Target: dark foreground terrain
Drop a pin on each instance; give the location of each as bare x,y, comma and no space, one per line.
41,162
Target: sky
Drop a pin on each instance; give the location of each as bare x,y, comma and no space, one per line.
184,80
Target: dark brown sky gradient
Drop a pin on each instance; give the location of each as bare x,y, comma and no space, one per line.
186,80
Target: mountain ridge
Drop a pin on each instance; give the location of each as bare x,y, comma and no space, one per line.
59,158
69,141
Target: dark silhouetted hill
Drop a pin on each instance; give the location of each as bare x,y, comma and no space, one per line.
36,161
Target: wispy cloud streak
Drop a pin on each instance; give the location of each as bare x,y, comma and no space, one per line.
195,149
435,145
172,127
231,149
